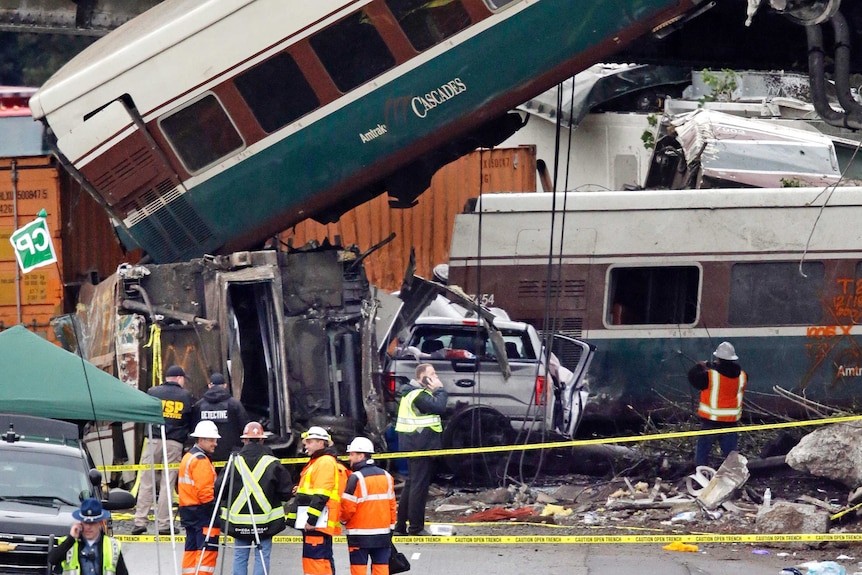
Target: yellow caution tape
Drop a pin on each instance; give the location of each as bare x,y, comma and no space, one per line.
549,445
562,539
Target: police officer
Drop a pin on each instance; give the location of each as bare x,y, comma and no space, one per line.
368,510
196,486
220,407
259,479
419,427
87,550
177,411
317,505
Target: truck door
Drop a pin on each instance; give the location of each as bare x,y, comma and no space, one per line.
569,365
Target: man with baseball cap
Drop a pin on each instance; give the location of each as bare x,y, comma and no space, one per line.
368,510
722,385
87,549
257,486
317,506
229,415
196,486
177,411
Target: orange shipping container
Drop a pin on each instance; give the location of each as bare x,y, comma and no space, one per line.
31,299
426,226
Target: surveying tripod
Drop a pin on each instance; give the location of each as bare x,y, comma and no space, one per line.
229,466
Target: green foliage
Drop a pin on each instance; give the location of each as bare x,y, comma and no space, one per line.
648,135
30,59
721,84
792,183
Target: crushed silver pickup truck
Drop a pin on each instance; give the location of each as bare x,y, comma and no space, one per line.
497,374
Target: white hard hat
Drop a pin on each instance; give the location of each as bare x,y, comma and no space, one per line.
206,429
316,432
360,445
725,351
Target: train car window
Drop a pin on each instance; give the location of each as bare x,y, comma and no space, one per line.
352,51
201,134
428,23
653,295
774,293
277,92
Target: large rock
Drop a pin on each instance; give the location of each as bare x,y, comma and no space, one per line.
786,517
833,451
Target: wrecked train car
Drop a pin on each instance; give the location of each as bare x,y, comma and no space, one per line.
286,329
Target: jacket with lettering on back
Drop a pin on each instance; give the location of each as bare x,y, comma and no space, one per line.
195,484
321,484
176,409
268,485
368,507
230,417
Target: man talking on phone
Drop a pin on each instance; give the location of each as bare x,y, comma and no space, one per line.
419,427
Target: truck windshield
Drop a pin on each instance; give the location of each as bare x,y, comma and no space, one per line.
34,475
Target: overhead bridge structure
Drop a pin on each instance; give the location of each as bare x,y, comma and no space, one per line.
80,17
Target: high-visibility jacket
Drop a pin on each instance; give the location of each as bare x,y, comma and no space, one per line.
110,557
265,518
195,486
368,508
410,421
722,399
321,484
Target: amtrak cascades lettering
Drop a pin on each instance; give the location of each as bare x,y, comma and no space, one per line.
423,104
849,371
373,133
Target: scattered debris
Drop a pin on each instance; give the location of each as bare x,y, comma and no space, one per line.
680,546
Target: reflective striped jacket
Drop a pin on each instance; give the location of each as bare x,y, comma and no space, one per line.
722,399
368,506
321,483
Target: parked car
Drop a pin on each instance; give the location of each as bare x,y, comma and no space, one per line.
45,473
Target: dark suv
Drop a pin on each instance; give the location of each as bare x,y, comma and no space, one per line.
45,473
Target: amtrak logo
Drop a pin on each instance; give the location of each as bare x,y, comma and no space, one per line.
423,104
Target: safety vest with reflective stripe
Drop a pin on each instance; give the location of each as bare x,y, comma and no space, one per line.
321,476
409,421
722,399
264,512
196,478
110,557
369,508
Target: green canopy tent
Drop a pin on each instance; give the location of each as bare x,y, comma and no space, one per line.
40,378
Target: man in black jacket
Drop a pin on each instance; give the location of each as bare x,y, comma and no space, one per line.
230,417
255,470
177,411
419,427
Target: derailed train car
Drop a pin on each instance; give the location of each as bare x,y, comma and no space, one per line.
288,330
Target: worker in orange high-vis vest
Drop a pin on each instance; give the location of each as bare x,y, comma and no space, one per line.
195,485
316,509
722,385
368,510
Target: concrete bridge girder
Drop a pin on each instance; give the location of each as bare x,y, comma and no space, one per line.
85,17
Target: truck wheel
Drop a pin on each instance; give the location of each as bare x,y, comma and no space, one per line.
478,426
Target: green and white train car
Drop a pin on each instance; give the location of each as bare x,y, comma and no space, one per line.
207,126
656,279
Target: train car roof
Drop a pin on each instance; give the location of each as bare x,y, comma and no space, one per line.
92,76
712,198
